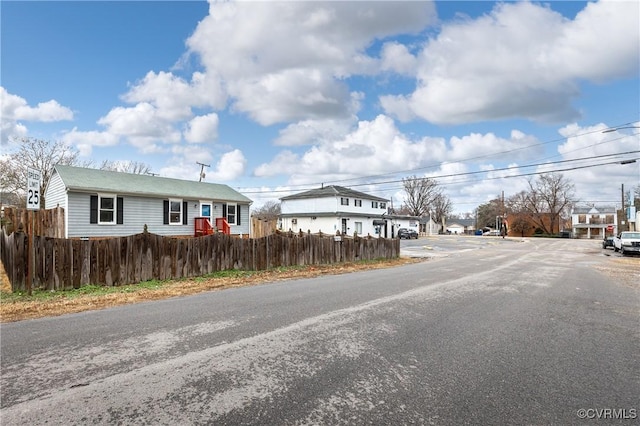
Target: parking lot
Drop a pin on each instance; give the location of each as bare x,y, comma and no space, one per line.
447,245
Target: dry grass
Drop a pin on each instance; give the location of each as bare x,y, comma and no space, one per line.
24,307
624,270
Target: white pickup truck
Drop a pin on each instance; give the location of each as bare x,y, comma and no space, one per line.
627,242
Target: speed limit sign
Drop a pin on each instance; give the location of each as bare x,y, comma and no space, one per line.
33,189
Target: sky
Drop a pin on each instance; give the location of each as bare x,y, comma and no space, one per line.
280,97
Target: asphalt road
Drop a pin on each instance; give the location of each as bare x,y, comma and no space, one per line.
484,332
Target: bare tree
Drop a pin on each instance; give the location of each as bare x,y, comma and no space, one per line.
548,198
441,208
134,167
269,210
421,194
37,154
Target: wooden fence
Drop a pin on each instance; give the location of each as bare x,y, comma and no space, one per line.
48,223
263,227
13,253
70,263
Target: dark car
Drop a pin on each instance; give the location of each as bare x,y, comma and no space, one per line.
407,233
607,242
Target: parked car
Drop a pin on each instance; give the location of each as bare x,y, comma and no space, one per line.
493,232
627,242
407,233
607,242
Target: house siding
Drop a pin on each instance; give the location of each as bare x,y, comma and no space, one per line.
322,210
330,204
332,224
139,211
55,194
142,198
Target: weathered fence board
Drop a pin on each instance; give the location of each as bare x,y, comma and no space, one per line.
62,264
47,223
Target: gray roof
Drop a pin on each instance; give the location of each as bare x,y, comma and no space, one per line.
594,210
332,191
94,180
463,222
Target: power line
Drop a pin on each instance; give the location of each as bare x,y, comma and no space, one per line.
496,154
478,172
304,187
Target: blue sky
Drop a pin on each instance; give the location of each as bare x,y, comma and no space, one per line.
280,97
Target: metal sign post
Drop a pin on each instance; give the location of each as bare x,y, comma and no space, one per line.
34,177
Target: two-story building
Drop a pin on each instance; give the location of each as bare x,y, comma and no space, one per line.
331,209
594,222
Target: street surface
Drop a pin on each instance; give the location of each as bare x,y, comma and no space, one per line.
486,331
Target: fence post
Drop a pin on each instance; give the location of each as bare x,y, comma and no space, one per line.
19,257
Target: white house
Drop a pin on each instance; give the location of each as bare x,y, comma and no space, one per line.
461,226
332,209
594,222
99,203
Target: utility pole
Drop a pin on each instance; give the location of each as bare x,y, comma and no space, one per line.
202,166
623,224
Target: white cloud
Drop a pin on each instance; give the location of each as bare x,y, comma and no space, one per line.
173,97
591,141
184,164
522,60
603,42
14,109
231,165
312,132
378,147
45,112
85,141
162,101
285,61
142,125
373,147
203,128
490,148
396,57
600,182
11,129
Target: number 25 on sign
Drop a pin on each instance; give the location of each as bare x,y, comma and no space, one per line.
33,189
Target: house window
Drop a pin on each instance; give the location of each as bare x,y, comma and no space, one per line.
357,203
344,201
383,205
175,212
358,228
106,209
374,204
231,214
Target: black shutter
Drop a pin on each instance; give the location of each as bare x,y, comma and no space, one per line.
120,211
93,209
166,212
184,212
224,211
238,214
